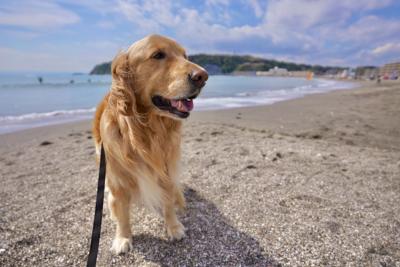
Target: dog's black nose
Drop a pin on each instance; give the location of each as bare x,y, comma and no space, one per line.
198,77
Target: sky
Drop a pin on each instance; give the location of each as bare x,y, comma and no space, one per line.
74,35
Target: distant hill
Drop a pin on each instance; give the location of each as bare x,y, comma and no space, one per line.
103,68
225,64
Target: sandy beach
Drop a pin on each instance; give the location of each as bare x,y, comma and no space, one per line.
313,181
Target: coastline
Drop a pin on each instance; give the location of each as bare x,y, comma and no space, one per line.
281,117
302,182
243,93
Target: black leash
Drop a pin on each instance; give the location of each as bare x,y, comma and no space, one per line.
98,215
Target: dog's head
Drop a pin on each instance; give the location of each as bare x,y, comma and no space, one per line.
155,75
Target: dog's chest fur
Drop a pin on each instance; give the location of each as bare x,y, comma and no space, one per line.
150,156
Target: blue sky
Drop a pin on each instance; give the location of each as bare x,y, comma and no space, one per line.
74,35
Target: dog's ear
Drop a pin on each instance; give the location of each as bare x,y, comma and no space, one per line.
122,91
120,66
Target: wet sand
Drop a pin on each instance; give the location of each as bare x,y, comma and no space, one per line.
313,181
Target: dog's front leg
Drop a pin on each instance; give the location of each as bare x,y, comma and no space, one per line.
175,228
119,204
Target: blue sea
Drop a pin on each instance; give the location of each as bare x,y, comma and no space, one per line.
66,97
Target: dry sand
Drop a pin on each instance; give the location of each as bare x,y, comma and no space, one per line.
307,182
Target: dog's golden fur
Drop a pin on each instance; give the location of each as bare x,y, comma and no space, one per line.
142,142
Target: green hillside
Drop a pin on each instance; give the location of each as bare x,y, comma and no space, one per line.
225,64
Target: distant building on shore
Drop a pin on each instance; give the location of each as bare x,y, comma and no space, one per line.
390,71
367,73
278,71
347,74
273,72
284,73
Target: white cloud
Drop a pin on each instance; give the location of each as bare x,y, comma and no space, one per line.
309,31
256,6
300,15
315,19
301,26
134,13
149,16
162,11
389,48
36,15
372,29
217,2
304,14
366,4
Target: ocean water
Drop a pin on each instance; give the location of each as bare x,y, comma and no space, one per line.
63,97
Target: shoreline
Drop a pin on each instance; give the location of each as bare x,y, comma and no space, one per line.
15,123
233,109
312,181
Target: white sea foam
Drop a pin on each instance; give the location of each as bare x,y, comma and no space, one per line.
15,123
47,115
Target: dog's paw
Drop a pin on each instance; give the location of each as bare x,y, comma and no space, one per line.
121,245
176,231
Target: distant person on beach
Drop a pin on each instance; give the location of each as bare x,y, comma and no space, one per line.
40,79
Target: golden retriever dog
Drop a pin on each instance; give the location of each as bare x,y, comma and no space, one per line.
139,124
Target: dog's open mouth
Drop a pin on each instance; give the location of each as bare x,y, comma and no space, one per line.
180,107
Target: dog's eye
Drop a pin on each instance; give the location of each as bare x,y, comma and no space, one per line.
159,55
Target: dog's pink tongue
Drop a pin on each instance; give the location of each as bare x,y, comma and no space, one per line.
185,105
